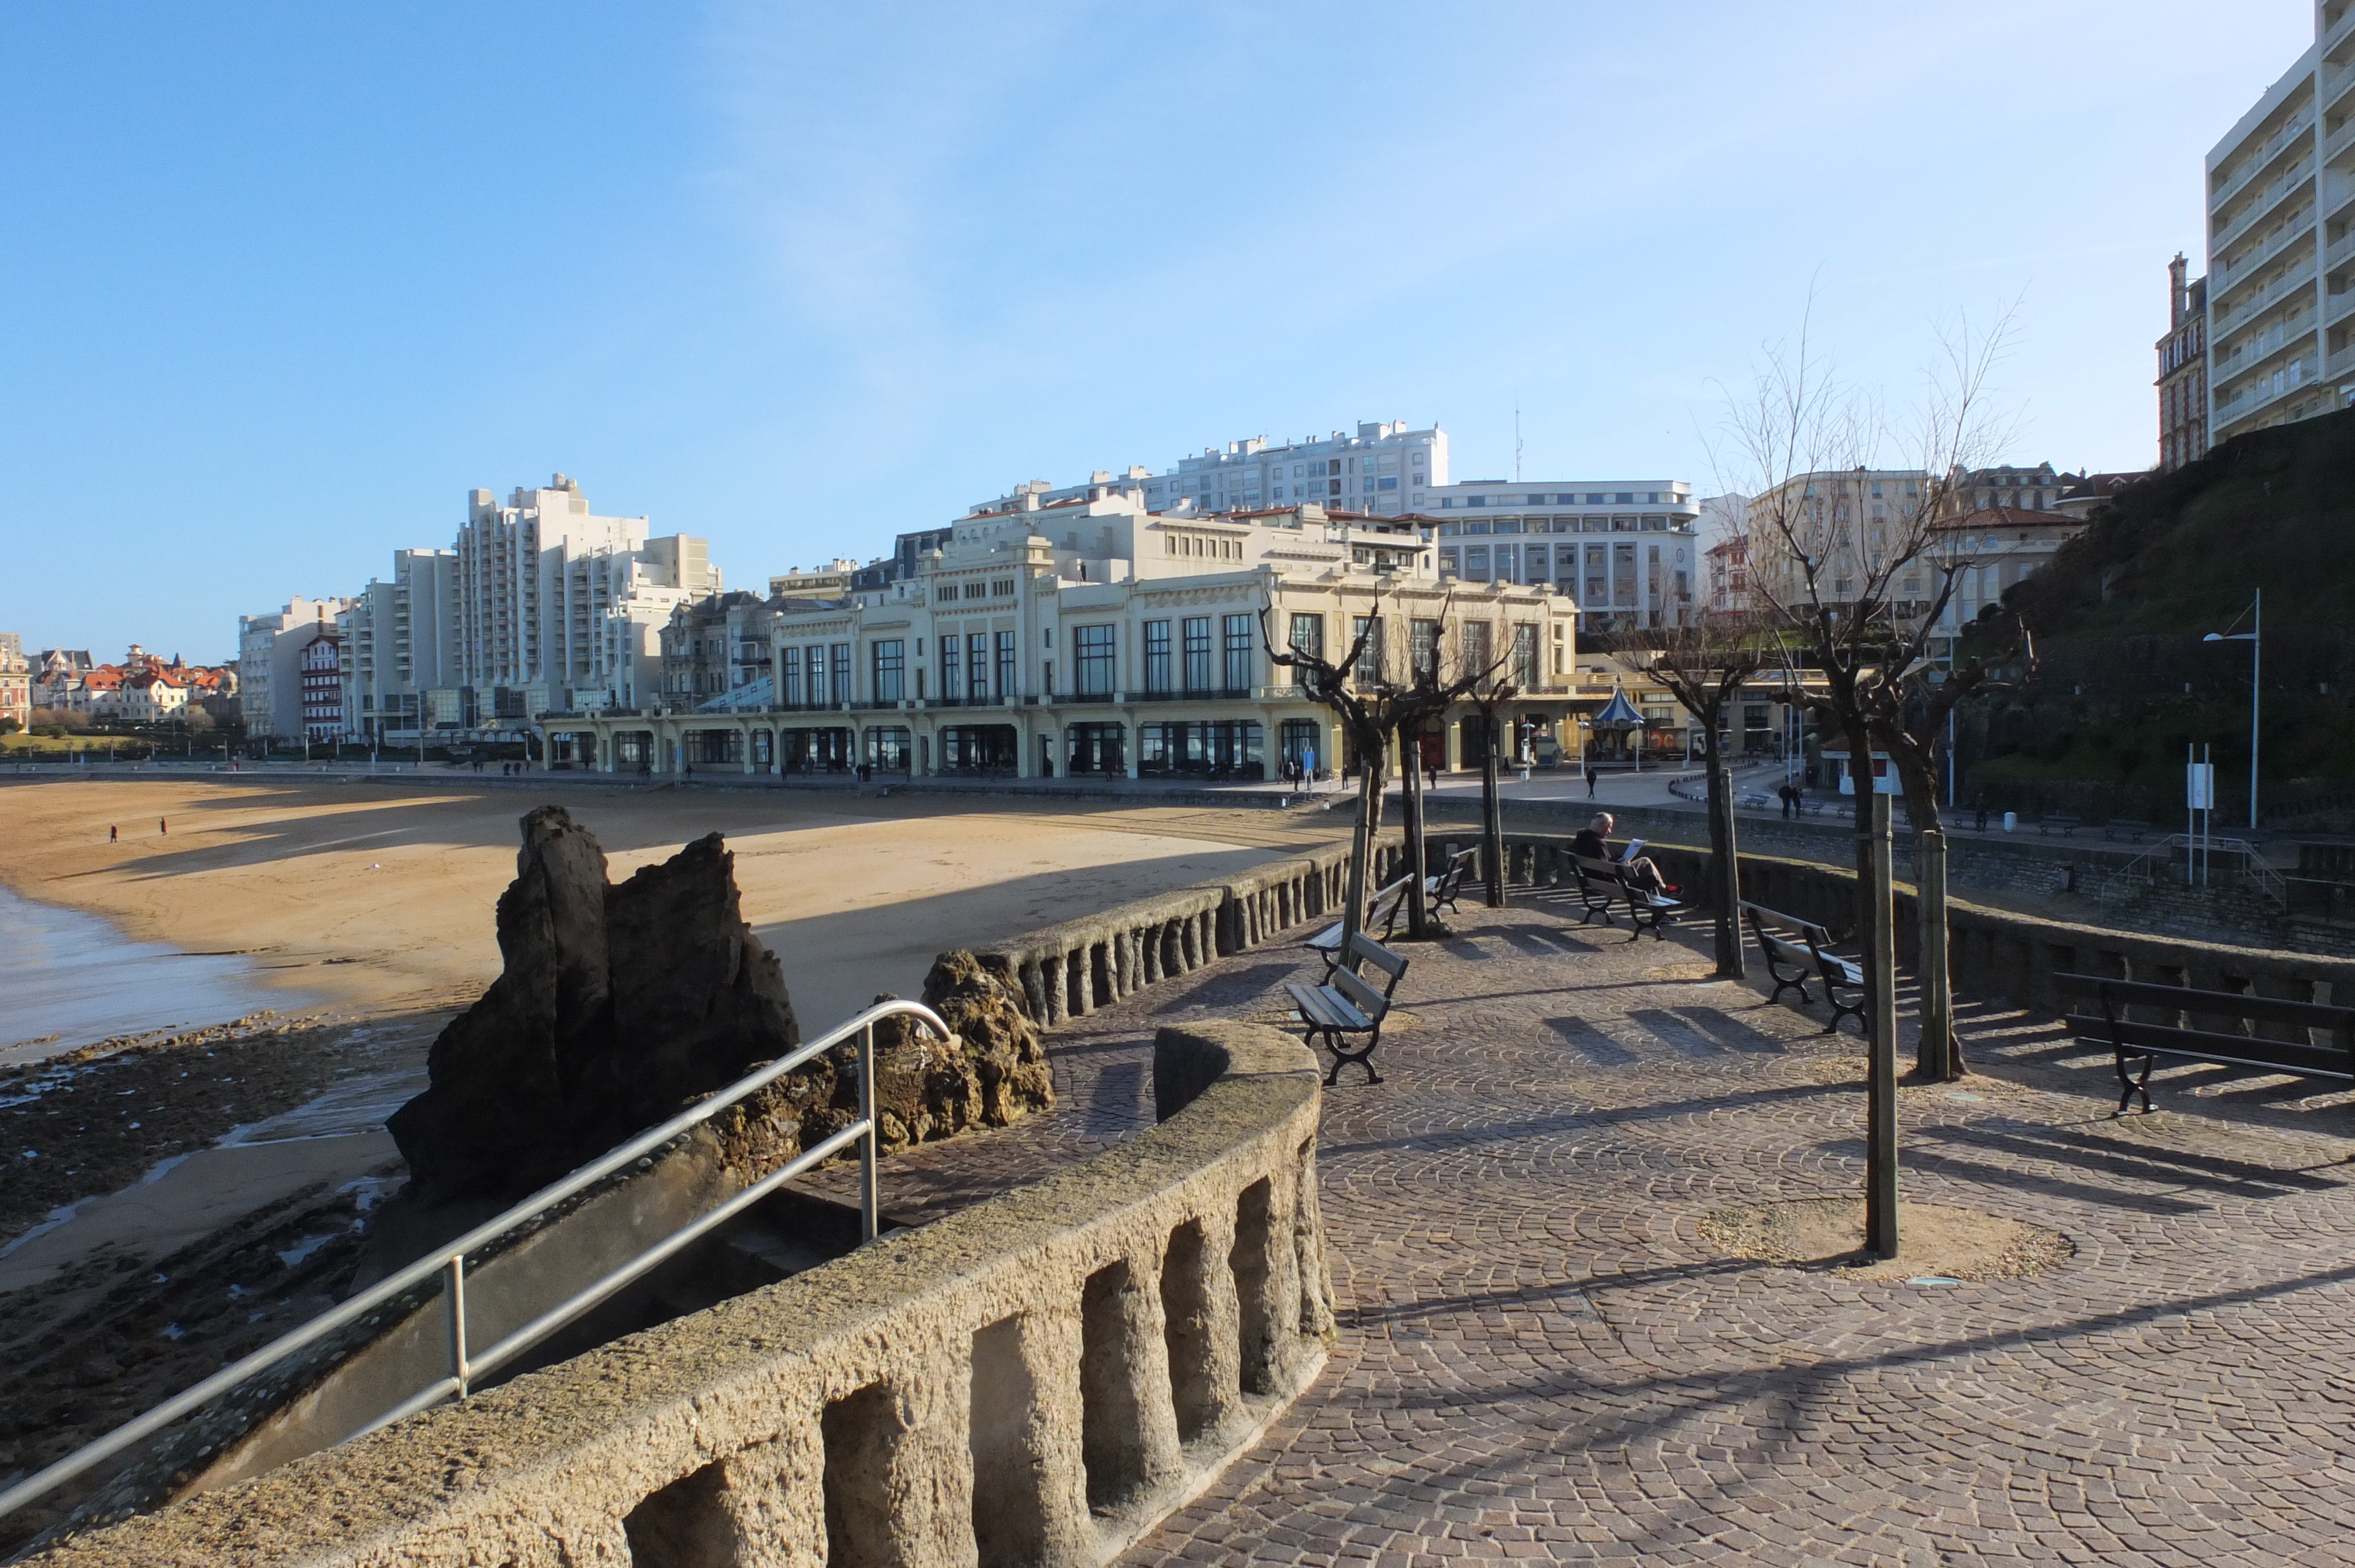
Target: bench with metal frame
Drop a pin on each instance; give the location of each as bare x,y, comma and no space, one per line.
1601,881
1347,1005
2129,1038
1382,910
1445,889
1788,962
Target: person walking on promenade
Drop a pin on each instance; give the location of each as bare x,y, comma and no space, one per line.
1591,774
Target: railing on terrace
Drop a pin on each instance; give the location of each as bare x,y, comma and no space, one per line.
449,1263
2238,859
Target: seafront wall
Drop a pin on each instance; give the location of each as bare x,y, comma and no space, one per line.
1996,954
1039,1378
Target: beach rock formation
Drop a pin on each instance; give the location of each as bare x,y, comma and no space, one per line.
616,1006
621,1004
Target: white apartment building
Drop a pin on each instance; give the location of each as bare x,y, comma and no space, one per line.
1097,638
399,643
1635,560
2281,244
1384,469
269,663
561,608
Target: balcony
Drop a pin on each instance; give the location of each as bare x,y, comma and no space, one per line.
2283,241
2300,173
2262,158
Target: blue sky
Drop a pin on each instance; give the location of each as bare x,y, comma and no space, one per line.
282,282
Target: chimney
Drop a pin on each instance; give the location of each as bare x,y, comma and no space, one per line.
2176,291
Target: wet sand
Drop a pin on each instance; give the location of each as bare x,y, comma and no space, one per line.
375,896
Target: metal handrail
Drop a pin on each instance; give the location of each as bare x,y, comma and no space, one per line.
450,1261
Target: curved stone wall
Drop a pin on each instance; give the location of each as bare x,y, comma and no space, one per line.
1070,970
1038,1378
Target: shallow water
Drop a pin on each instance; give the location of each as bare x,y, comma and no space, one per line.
68,979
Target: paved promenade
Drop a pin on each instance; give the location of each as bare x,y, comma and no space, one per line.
1540,1357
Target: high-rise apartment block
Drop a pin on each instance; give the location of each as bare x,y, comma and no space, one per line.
540,605
2281,244
1633,562
2183,370
1383,470
270,651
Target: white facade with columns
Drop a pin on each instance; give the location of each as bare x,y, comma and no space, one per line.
1094,638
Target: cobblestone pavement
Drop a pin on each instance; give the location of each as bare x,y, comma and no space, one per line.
1540,1357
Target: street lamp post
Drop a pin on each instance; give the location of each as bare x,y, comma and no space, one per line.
2254,637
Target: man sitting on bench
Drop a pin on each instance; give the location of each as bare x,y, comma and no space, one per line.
1594,843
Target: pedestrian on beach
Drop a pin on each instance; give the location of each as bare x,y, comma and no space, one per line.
109,832
164,825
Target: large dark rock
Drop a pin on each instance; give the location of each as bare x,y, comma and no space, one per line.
617,1007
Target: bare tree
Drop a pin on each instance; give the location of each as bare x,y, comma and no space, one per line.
1706,665
1383,687
1850,563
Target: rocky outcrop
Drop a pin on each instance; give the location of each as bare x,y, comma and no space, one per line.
620,1004
616,1006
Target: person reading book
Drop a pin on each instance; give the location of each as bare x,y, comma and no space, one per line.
1594,843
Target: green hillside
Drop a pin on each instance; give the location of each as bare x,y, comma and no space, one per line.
2123,680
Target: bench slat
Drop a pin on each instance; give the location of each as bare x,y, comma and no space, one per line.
2241,1050
2215,1003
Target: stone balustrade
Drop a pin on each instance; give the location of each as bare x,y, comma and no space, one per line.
1069,971
1037,1379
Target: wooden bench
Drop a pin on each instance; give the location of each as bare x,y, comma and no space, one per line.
1382,910
2129,1038
2064,825
1788,962
1601,882
1347,1005
1445,889
2124,827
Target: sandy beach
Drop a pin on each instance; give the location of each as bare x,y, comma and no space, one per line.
372,895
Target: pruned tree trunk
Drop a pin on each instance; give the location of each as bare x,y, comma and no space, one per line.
1418,908
1724,859
1361,840
1879,939
1937,1053
1491,819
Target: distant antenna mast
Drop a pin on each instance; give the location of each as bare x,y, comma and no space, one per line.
1517,441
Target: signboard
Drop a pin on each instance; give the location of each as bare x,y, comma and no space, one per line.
2200,786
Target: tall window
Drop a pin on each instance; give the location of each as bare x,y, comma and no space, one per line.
789,671
1092,659
841,671
1423,648
1477,656
891,655
1238,640
952,669
1157,656
1008,686
1197,653
976,648
1307,636
1525,654
817,686
1368,670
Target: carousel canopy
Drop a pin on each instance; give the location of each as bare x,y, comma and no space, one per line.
1618,714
